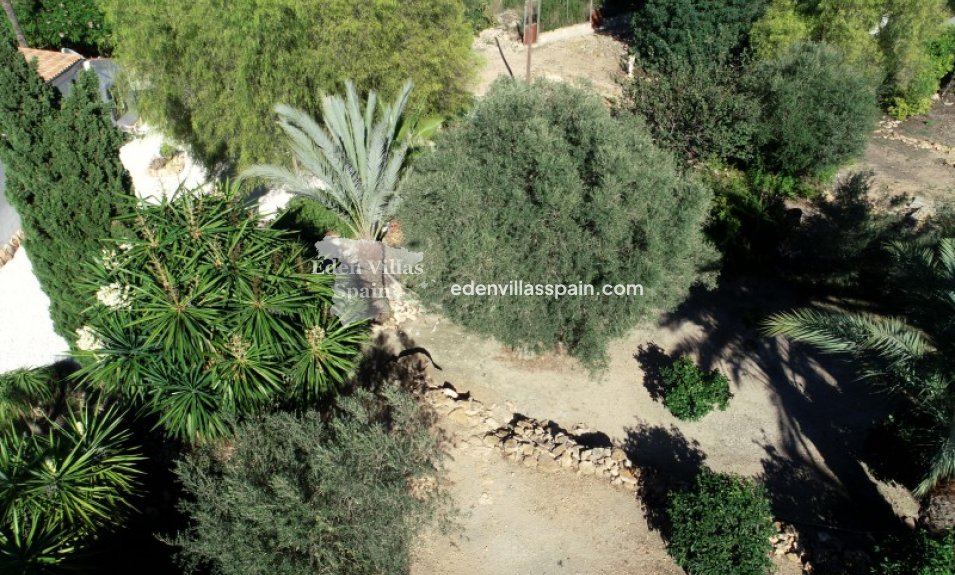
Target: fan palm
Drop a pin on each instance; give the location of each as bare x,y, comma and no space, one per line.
911,355
352,163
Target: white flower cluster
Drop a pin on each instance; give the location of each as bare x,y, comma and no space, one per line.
111,257
87,340
114,296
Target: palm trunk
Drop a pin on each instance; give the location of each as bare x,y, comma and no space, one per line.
14,23
938,511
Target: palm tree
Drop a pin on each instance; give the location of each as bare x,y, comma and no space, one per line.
14,23
352,163
911,355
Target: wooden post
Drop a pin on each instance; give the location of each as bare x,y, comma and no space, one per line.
531,30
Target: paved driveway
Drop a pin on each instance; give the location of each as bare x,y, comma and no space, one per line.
9,221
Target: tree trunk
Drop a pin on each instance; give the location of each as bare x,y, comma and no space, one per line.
14,23
938,511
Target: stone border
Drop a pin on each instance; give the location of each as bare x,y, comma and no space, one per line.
538,444
10,249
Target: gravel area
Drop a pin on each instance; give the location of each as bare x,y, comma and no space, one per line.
27,338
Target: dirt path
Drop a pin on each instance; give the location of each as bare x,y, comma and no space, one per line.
519,520
915,157
595,59
795,420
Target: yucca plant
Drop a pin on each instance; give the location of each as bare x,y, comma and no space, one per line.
911,355
207,315
25,393
60,488
353,162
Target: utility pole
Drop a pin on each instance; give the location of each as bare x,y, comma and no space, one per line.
14,23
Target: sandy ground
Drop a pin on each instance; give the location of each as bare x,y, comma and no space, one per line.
796,420
518,520
594,59
27,338
915,157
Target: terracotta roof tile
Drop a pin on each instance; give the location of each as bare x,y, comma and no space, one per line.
50,64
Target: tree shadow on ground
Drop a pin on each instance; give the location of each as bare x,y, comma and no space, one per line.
813,473
653,360
667,461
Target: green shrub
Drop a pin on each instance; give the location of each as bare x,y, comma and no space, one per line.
283,51
63,486
310,220
541,184
556,13
782,25
933,65
698,30
690,392
478,14
818,110
745,224
697,108
919,553
721,526
55,24
205,315
305,495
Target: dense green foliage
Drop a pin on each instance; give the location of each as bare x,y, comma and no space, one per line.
900,50
286,51
352,163
297,495
310,220
797,115
23,393
478,14
556,13
690,392
55,24
818,110
910,355
695,30
63,486
746,224
919,553
64,178
721,526
541,184
205,315
697,108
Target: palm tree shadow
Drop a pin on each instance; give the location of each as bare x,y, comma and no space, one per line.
824,412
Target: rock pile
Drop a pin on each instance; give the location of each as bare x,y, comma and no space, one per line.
546,446
538,444
786,543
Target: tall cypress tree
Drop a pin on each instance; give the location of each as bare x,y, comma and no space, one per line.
64,178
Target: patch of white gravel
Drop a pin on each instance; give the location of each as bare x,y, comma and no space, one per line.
27,338
139,153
